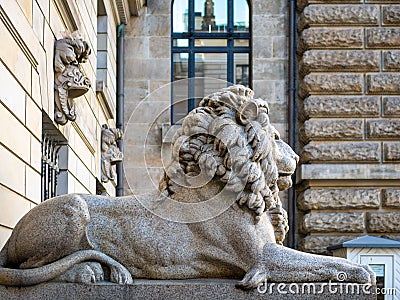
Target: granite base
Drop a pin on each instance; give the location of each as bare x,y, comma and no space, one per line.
183,289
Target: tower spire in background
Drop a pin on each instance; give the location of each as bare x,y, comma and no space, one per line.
208,22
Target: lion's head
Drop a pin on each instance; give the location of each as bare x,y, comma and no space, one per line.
229,138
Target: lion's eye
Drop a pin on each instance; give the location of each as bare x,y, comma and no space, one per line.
263,119
276,136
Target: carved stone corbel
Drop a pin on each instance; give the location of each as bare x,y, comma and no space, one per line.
110,153
69,79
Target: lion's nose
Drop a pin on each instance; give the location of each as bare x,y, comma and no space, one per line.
296,157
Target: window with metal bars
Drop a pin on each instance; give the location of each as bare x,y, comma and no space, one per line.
53,145
210,49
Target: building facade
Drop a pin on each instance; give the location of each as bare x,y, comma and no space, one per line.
329,73
41,157
349,117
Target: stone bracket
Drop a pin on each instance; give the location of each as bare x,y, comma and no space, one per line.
69,79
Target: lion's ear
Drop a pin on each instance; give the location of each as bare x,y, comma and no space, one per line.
247,112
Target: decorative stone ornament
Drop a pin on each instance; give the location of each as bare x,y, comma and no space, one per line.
110,153
69,79
228,165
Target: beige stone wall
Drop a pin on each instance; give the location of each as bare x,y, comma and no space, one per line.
28,30
147,70
269,50
350,121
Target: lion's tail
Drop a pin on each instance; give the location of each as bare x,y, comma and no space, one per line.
25,277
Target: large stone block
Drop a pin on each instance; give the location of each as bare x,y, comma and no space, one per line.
269,69
280,47
383,128
391,106
301,4
341,151
153,69
319,244
348,171
322,129
140,156
341,15
333,222
138,47
391,60
383,83
143,178
33,118
149,25
12,171
149,111
383,37
344,106
331,38
274,25
262,47
391,14
12,129
195,289
383,222
338,199
36,154
155,7
160,47
38,21
33,185
332,84
13,207
330,60
142,134
391,151
269,7
391,198
135,90
12,95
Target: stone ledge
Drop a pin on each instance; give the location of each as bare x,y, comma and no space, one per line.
348,171
168,289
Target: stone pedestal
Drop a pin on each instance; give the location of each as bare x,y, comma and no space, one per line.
185,289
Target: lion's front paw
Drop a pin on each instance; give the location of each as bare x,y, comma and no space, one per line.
119,274
372,275
253,278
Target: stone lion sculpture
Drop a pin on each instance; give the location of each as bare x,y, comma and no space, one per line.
227,139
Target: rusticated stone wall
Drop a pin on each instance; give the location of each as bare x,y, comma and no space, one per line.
349,93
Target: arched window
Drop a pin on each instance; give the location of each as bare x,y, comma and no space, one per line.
210,39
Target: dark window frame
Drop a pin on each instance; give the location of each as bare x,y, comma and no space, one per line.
230,49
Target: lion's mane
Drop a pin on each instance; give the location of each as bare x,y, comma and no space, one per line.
229,137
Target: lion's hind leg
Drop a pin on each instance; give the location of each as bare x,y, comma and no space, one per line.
50,231
24,277
117,272
87,272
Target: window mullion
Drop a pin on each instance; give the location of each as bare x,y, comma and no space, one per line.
191,75
230,16
191,62
230,62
